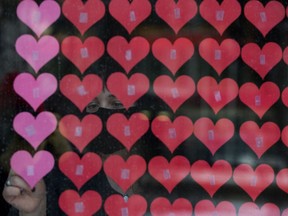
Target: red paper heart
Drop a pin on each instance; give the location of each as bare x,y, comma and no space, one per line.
211,178
80,133
174,93
128,54
162,206
128,91
259,139
285,54
74,205
83,15
219,56
281,180
213,136
251,209
173,56
82,55
253,182
284,136
259,100
284,96
262,61
130,13
172,134
79,171
220,16
124,173
176,15
81,93
207,208
169,174
217,95
264,18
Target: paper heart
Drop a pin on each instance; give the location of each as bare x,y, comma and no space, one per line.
211,178
259,100
176,15
35,91
285,212
169,174
175,55
85,205
80,133
284,96
174,93
172,134
219,56
206,207
82,55
128,54
124,173
32,169
264,18
284,136
252,209
116,205
281,180
127,131
37,53
262,60
162,206
38,18
253,182
285,54
83,15
259,139
35,131
220,16
217,95
81,93
127,90
132,13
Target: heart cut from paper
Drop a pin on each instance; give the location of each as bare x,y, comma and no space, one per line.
219,56
206,207
128,54
172,134
174,93
175,55
131,14
262,60
284,136
83,15
80,133
37,53
253,182
127,131
251,209
82,55
32,168
217,95
38,18
35,131
35,91
220,16
127,90
81,93
259,139
264,18
73,204
260,100
285,54
169,174
281,180
176,15
284,96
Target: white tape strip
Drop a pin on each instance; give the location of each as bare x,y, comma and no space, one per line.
30,170
125,174
173,54
172,133
36,93
84,53
36,16
127,131
215,213
212,180
30,130
81,90
124,212
78,131
83,18
166,174
131,90
262,59
35,55
211,135
79,170
259,141
253,182
132,16
220,15
177,13
257,100
263,16
79,207
218,55
217,96
175,93
128,55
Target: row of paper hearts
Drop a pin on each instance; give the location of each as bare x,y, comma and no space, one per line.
128,54
132,13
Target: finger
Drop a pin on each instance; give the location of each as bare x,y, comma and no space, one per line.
17,181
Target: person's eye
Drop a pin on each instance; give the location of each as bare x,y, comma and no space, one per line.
117,105
92,107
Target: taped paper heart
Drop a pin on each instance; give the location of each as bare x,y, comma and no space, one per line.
32,169
206,207
80,133
174,93
252,209
259,139
132,13
253,182
284,136
37,53
175,55
128,54
172,134
176,15
281,180
169,174
35,131
83,15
